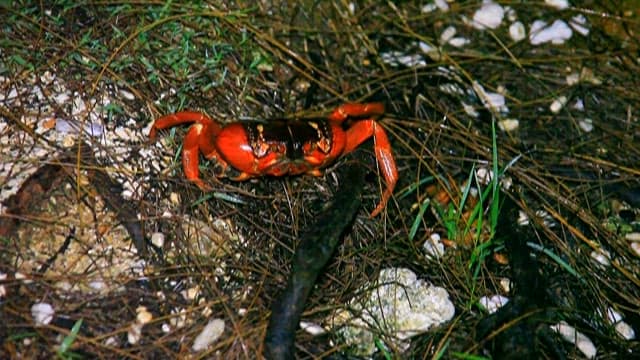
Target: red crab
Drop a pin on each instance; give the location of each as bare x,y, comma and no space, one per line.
244,150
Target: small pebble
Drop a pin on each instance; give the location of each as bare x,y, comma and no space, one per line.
517,31
210,333
558,104
134,334
625,331
143,316
157,239
582,342
508,125
489,16
312,328
601,256
42,313
558,4
493,303
633,236
586,124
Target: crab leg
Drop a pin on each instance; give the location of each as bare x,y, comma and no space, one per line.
183,117
356,135
343,112
199,138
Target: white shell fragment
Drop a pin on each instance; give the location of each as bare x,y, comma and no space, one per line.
209,334
582,342
42,313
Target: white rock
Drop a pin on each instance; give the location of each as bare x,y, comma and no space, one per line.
98,285
489,16
127,95
395,58
191,293
505,284
42,313
157,239
613,316
312,328
401,306
579,105
127,194
143,316
134,333
572,79
512,16
68,141
601,256
517,31
426,48
558,4
493,303
166,328
459,41
586,124
3,290
492,101
578,23
556,34
447,34
470,110
508,124
570,334
433,247
484,175
111,341
633,236
635,246
62,98
558,104
443,5
210,333
625,331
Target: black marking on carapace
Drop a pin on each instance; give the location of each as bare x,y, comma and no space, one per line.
278,135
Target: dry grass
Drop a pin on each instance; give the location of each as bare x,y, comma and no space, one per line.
283,59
